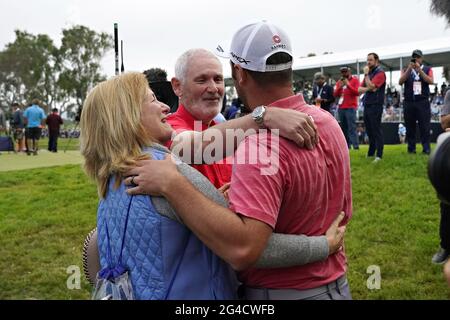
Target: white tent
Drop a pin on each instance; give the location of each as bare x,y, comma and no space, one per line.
393,58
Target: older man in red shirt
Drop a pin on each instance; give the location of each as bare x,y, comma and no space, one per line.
347,93
199,84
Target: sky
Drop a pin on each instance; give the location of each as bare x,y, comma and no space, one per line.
155,33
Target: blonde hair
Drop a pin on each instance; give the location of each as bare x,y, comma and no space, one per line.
112,136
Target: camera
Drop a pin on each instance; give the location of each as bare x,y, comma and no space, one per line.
413,60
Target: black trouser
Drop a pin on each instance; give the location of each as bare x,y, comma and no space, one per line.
53,141
444,228
372,121
418,111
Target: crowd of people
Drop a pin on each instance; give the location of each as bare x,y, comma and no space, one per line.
28,125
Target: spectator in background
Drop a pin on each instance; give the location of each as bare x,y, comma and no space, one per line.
373,87
2,121
347,92
18,126
417,79
401,133
157,79
34,119
361,134
443,88
234,109
54,122
322,92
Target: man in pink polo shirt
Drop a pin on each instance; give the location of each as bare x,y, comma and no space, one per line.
300,194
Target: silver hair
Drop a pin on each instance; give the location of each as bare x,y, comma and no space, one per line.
181,66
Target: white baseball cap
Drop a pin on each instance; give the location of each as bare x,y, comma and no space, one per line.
253,44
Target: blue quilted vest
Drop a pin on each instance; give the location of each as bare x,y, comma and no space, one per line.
164,258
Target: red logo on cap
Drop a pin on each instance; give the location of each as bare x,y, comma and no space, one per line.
276,39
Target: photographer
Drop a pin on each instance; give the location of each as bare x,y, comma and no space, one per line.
417,79
347,93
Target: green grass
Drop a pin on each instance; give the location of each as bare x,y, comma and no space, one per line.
45,214
20,161
395,226
63,144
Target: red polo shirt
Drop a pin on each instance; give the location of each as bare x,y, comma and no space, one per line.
303,196
217,174
350,94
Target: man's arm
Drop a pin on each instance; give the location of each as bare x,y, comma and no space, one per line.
428,78
353,86
374,84
293,125
238,240
330,97
282,250
405,74
338,91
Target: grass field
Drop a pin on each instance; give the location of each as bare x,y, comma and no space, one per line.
45,214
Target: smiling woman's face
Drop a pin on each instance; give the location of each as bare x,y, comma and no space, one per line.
153,117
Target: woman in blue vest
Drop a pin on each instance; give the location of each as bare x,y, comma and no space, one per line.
417,79
122,122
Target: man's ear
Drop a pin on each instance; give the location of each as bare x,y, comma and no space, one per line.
240,74
176,86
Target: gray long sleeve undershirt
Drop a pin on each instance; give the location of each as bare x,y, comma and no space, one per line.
282,250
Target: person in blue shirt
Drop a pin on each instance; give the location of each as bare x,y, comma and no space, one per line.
34,119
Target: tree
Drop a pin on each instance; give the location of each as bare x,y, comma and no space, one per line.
27,69
446,73
441,8
81,52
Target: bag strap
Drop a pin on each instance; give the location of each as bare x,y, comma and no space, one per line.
118,269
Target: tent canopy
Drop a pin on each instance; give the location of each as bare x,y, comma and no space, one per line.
393,58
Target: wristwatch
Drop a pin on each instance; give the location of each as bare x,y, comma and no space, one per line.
258,115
